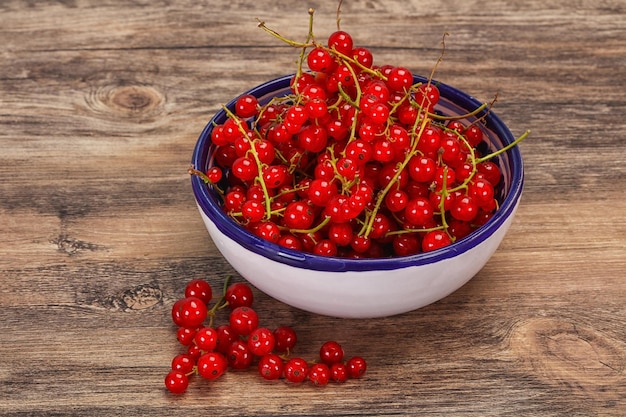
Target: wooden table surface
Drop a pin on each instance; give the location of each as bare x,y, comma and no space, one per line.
101,103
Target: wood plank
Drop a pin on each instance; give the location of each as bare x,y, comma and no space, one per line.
100,106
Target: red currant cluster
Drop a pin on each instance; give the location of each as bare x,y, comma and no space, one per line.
240,343
355,161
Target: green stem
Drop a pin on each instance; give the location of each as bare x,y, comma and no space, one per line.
259,164
313,229
506,148
193,171
277,35
460,116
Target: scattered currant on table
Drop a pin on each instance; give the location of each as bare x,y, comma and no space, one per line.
241,343
355,161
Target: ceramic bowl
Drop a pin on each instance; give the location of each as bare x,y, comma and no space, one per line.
361,288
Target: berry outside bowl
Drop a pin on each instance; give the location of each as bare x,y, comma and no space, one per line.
361,288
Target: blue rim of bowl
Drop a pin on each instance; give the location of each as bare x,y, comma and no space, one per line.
208,200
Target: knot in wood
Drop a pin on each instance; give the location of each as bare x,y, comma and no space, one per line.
135,98
562,352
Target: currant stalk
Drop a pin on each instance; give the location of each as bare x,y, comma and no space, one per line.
504,149
367,227
255,155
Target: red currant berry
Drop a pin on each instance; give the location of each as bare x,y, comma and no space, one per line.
225,338
464,171
360,244
246,106
217,136
176,382
271,367
435,239
406,245
206,339
199,288
444,174
331,352
321,191
347,168
225,155
233,201
261,341
407,114
379,113
285,339
341,41
185,335
337,129
296,370
298,215
399,79
340,233
482,217
338,372
429,139
381,225
276,175
359,151
316,108
244,168
482,191
325,247
314,91
399,138
436,199
212,365
459,229
194,351
312,138
356,367
214,174
290,241
183,363
383,150
427,96
418,212
189,312
449,149
253,211
464,209
363,56
396,200
231,129
474,135
239,294
279,134
319,374
297,114
388,173
422,169
239,356
243,320
455,126
298,82
320,60
343,75
491,172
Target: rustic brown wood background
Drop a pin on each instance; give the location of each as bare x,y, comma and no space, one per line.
100,106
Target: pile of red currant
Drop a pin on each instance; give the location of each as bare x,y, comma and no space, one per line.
355,162
241,343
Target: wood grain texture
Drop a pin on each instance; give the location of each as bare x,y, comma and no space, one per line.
100,106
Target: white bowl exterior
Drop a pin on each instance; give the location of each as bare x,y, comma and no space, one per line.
363,294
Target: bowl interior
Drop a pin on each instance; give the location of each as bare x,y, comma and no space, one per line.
452,102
